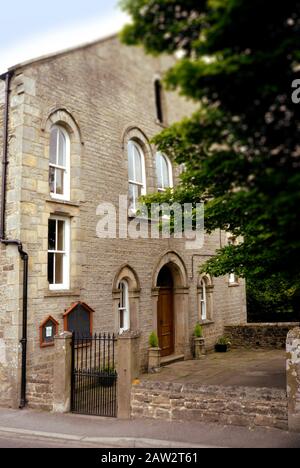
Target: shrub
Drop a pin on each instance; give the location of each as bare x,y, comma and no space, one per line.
153,340
198,332
223,341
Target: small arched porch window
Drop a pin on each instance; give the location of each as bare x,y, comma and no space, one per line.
205,298
126,298
124,312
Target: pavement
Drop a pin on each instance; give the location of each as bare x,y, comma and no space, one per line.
242,368
34,429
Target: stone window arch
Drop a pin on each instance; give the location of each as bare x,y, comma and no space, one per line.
62,119
126,299
138,137
205,299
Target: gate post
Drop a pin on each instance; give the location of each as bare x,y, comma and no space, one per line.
62,373
293,379
128,366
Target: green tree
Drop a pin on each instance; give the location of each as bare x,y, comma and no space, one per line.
241,149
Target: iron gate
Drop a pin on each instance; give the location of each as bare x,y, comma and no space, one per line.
94,375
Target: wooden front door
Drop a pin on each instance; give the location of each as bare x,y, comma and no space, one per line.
165,321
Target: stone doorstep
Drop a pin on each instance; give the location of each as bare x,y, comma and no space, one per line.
166,361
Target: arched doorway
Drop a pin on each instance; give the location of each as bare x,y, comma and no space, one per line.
170,306
165,312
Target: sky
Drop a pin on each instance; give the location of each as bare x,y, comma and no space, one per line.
31,28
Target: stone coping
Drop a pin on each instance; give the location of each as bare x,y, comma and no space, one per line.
263,325
257,393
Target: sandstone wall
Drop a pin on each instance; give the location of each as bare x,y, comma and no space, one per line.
10,265
260,335
103,94
241,406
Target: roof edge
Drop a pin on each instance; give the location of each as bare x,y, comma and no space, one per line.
59,53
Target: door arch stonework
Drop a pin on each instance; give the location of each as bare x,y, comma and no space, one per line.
165,312
180,302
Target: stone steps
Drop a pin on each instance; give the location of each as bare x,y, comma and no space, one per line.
166,361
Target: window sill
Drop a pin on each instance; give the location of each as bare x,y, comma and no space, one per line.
233,285
62,293
207,322
62,202
132,216
47,345
161,124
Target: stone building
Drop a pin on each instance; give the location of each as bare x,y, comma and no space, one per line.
79,134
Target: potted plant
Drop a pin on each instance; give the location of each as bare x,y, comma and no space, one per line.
154,354
107,376
222,345
199,342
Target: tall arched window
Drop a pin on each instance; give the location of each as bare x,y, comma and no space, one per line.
163,172
59,163
158,101
136,174
124,313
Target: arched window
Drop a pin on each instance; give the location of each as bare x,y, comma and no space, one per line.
136,174
233,278
158,101
59,163
124,313
205,298
163,172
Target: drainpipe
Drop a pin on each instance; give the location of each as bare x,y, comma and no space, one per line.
24,256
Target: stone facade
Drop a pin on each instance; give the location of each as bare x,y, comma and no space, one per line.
259,335
103,95
241,406
10,265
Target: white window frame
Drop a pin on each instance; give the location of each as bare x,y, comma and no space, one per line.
133,209
125,309
170,171
203,300
67,191
232,278
65,285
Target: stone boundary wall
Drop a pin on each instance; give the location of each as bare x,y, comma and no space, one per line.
241,406
40,380
259,335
